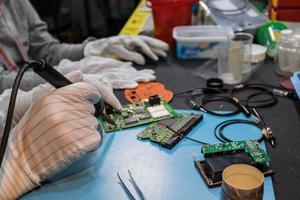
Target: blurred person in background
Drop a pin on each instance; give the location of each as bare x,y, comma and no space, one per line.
24,36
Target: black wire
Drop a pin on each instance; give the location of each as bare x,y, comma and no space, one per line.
261,103
212,98
259,117
197,141
219,129
10,111
180,135
263,90
211,95
192,94
186,91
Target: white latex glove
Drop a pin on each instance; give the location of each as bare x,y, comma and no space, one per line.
105,89
56,131
127,48
118,74
90,65
122,78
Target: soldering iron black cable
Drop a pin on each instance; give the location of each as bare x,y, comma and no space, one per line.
10,111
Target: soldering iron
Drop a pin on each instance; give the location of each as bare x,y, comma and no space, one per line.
49,74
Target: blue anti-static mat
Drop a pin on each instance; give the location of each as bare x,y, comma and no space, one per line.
161,174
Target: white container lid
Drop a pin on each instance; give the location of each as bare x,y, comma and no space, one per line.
202,33
258,53
297,37
286,34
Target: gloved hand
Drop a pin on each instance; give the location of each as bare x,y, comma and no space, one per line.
26,99
118,74
122,79
127,48
90,65
56,131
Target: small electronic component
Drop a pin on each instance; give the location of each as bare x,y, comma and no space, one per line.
144,117
129,121
154,100
169,132
220,156
137,114
158,111
138,111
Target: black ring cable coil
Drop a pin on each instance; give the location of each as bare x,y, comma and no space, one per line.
262,91
214,95
219,129
220,98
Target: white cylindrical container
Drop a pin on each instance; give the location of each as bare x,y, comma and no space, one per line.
295,65
285,50
242,182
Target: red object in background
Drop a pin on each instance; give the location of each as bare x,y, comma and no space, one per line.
279,4
286,83
285,14
168,14
284,10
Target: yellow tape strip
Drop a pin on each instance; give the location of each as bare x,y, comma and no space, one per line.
136,21
273,14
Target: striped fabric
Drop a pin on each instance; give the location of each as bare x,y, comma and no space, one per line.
57,130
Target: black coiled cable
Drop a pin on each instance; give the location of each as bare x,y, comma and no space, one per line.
219,129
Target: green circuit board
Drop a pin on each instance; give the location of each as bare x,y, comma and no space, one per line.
169,132
137,114
252,147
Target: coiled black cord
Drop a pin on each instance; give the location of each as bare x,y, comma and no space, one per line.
216,96
219,129
220,98
261,90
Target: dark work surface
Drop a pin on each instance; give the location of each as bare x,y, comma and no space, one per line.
282,118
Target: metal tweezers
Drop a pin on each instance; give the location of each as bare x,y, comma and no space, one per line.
136,187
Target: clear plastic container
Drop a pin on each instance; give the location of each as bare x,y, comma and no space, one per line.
286,50
296,57
194,42
235,64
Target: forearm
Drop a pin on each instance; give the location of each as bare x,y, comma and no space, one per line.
53,52
42,45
